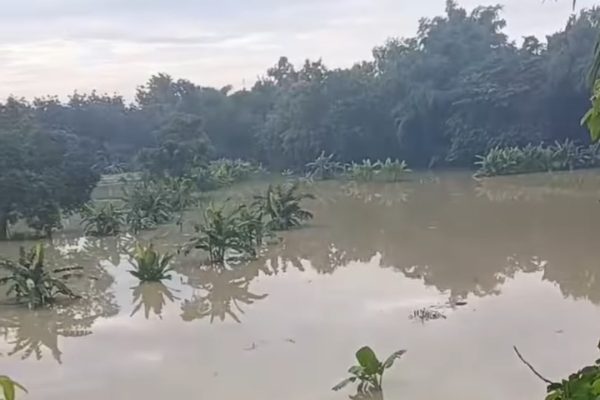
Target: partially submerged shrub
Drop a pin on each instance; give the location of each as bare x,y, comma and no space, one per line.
281,206
393,171
540,158
224,172
223,231
30,280
149,265
364,171
148,204
369,371
324,167
102,219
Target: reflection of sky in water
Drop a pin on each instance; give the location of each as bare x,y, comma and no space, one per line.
286,326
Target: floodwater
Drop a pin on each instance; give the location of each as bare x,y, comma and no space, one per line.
508,261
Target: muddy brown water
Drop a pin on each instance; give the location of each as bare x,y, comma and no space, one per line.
521,252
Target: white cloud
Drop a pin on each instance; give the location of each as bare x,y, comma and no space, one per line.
56,46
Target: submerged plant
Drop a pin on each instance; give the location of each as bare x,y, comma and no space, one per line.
364,171
102,220
281,205
393,171
323,167
149,265
516,160
9,387
223,231
148,204
31,281
179,192
369,371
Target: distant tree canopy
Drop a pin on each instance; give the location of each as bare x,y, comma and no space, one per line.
453,91
43,172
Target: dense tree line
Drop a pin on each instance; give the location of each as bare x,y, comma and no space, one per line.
453,91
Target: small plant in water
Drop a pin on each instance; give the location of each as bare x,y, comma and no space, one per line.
9,387
324,167
281,204
149,265
31,281
369,371
223,231
395,170
364,171
102,220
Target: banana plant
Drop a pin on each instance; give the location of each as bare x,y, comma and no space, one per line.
281,205
323,167
395,170
30,280
9,387
369,371
149,265
223,231
364,171
102,220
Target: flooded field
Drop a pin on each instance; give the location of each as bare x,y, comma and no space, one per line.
508,261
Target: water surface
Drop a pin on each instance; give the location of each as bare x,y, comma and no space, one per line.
521,252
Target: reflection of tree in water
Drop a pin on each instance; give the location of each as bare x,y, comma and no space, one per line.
451,237
153,296
33,332
220,292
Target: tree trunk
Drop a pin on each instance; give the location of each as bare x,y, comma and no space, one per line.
3,226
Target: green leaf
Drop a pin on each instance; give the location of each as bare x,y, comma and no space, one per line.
344,383
8,387
368,360
390,360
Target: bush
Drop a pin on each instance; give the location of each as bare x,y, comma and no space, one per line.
31,281
149,265
281,205
519,160
148,204
224,231
102,220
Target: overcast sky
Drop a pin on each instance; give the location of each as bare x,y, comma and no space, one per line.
56,46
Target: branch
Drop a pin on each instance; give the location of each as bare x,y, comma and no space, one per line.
548,381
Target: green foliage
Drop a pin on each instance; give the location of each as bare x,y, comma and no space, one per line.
393,171
324,167
30,280
592,118
518,160
581,385
149,265
148,203
224,172
179,192
281,206
182,145
44,175
364,171
226,232
9,387
369,371
105,219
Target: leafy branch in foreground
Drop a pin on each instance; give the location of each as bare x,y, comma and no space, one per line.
30,280
369,371
9,387
581,385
